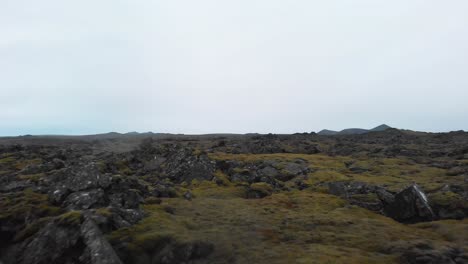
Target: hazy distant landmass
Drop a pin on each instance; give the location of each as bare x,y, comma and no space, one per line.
353,131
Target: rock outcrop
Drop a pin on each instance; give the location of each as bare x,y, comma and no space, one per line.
410,205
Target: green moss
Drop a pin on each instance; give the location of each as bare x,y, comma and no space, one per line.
262,187
71,218
445,198
221,178
18,206
151,233
448,200
7,160
450,230
123,168
31,229
152,200
369,197
315,160
32,177
240,170
213,190
286,227
101,165
104,211
326,175
21,164
197,152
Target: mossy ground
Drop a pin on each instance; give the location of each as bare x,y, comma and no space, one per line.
10,161
29,211
393,173
17,206
32,177
290,226
308,226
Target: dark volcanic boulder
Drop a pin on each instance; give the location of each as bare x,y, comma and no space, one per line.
72,238
385,197
296,168
52,244
80,177
348,188
185,164
127,199
85,199
125,217
98,250
359,193
338,188
410,205
58,194
424,252
268,171
273,172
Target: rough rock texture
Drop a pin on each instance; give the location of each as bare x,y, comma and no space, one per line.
97,247
353,191
183,165
424,252
81,177
85,199
52,244
272,172
410,205
65,243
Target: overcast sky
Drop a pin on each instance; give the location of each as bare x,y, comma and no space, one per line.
81,67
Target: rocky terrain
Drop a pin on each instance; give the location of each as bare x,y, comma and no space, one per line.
384,196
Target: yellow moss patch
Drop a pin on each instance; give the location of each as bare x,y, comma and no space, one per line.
212,190
152,200
19,205
296,226
24,163
316,160
7,160
451,230
221,178
261,187
70,218
104,211
324,175
394,173
32,177
31,229
446,198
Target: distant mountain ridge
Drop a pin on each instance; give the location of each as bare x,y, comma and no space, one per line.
353,131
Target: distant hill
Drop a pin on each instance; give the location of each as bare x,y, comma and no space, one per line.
353,131
327,132
382,127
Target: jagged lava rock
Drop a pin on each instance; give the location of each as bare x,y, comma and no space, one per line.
410,205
